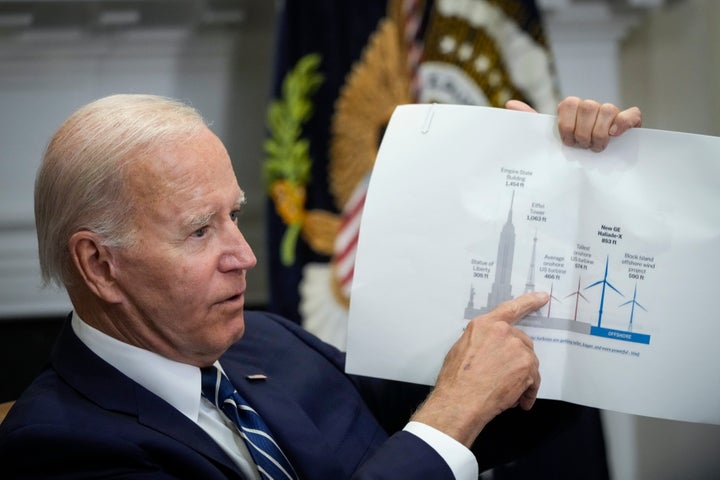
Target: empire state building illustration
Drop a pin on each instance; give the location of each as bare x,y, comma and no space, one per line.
501,288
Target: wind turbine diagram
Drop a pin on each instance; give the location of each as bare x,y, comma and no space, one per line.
578,295
552,297
498,276
604,282
634,303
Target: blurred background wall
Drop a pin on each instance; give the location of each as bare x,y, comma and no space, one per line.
56,55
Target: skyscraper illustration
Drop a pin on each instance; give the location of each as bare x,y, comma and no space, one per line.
501,287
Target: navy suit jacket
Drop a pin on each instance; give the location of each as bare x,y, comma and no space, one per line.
82,418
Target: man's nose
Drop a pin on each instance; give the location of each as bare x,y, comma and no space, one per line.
238,254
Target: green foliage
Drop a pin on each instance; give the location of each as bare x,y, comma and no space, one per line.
287,153
287,244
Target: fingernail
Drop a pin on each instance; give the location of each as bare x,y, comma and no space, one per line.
613,129
542,295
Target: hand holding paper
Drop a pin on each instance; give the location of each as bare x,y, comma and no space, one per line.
588,123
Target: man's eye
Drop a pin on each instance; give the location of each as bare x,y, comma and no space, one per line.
199,233
235,215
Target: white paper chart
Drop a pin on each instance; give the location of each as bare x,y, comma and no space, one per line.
471,206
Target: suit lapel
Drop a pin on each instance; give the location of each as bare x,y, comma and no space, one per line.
155,413
106,386
295,432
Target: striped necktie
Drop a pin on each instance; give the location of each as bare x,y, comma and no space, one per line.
270,460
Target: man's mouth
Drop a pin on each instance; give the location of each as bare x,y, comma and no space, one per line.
236,298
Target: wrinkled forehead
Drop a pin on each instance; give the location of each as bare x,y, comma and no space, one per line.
190,166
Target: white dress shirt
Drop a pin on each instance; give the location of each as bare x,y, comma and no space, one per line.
179,385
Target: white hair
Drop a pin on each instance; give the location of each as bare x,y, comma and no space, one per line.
81,182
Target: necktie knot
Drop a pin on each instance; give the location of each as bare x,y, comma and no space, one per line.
270,460
215,385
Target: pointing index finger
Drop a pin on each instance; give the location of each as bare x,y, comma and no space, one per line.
513,310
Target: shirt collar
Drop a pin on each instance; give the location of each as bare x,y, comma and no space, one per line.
176,383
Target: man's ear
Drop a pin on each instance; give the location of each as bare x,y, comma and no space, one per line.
95,265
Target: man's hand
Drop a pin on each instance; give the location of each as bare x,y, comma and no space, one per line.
492,367
587,123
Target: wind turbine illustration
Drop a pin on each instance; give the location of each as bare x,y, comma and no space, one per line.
632,302
552,297
604,282
578,295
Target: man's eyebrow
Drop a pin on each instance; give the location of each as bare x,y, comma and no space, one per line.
200,220
204,218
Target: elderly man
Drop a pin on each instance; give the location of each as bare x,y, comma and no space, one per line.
160,373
